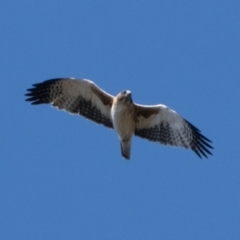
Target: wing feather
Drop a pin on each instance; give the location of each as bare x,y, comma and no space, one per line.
162,124
77,96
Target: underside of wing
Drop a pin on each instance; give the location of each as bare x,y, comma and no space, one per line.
77,96
161,124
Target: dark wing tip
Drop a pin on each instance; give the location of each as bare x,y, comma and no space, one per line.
200,144
42,92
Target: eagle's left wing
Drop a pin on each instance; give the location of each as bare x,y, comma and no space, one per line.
77,96
162,124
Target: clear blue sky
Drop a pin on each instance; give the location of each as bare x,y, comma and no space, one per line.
63,177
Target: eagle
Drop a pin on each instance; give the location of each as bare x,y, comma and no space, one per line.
156,123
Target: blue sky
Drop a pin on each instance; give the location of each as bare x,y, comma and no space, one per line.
63,177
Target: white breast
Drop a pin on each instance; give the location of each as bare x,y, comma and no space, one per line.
123,123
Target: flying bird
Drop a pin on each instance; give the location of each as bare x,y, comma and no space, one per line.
156,123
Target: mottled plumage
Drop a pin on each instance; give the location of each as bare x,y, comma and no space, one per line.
156,123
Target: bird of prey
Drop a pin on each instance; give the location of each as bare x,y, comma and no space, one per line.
156,123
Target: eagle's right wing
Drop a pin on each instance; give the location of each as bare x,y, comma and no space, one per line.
77,96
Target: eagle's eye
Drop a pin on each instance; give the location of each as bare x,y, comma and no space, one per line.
124,92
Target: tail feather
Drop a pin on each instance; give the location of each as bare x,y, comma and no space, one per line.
126,149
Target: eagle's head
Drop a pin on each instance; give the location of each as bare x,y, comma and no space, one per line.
124,97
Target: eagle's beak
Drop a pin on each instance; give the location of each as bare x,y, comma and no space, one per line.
129,95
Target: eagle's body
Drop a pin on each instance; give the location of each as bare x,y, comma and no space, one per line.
155,123
122,113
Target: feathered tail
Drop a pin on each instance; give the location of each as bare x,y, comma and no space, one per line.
126,148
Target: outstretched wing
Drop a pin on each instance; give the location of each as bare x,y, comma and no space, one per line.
162,124
77,96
